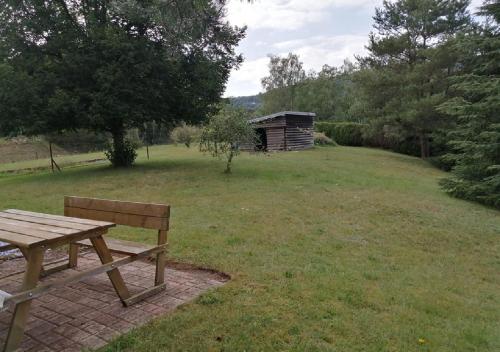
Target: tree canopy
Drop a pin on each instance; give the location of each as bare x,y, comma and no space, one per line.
109,65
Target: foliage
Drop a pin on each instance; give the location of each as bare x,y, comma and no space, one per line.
18,98
185,134
285,73
404,78
122,155
154,133
81,141
321,139
225,132
251,103
328,93
475,142
344,133
111,66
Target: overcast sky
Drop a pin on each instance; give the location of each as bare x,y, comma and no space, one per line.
319,31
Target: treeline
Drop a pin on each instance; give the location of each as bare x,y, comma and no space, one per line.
429,86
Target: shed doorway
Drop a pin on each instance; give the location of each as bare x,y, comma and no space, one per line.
261,145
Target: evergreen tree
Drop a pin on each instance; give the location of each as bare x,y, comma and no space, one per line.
476,140
404,76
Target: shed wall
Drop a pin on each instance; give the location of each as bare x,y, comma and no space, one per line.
299,133
275,138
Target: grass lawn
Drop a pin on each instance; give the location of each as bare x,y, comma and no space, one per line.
331,249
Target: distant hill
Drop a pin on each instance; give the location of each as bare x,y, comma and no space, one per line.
251,102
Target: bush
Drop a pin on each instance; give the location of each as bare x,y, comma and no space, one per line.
225,132
185,134
321,139
344,133
123,156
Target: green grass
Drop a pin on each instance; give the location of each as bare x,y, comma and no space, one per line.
332,249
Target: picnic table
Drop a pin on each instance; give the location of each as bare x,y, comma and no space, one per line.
33,233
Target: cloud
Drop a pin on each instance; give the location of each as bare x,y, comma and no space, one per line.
316,51
286,15
313,52
246,80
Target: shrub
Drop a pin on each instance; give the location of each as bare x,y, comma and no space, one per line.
225,132
344,133
123,155
185,134
321,139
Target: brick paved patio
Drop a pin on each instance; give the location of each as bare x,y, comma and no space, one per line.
88,314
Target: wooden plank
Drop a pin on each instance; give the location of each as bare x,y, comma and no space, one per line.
161,259
29,231
7,247
145,294
116,206
73,255
36,227
47,286
54,269
114,275
26,241
19,240
119,218
59,217
21,312
121,246
57,223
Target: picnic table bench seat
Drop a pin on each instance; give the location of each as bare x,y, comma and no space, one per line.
121,246
141,215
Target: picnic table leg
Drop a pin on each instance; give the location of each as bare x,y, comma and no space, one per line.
24,252
114,275
161,259
21,312
73,255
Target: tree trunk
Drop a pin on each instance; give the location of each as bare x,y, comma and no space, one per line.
118,141
117,155
228,165
424,146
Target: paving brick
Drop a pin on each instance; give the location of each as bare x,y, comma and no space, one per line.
88,314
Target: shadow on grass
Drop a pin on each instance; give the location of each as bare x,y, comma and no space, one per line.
89,171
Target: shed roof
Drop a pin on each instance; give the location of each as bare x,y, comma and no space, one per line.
279,114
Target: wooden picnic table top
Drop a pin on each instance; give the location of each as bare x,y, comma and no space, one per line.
27,229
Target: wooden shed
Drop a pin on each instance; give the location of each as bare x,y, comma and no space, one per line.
287,130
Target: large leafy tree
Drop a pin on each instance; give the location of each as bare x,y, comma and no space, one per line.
285,73
404,75
110,65
475,106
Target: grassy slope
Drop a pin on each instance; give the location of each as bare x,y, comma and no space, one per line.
27,149
340,249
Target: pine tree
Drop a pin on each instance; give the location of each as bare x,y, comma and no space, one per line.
409,60
476,140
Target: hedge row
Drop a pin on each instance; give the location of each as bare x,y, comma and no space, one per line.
344,133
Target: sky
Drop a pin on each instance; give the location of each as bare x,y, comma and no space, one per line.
319,31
